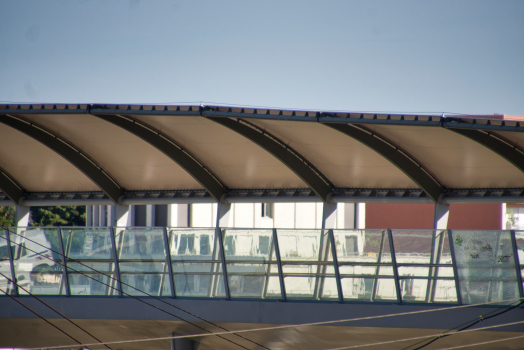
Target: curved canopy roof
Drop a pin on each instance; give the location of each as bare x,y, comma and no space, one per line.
137,154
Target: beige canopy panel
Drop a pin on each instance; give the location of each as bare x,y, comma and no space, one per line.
138,154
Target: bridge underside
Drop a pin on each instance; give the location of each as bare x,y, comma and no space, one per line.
124,319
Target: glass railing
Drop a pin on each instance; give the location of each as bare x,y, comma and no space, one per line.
401,266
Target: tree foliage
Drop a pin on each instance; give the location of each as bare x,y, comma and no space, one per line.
70,215
7,216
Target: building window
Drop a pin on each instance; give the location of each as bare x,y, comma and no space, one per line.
267,210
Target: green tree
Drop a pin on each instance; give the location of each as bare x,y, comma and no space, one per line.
7,216
69,215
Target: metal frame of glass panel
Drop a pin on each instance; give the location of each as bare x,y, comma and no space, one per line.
316,267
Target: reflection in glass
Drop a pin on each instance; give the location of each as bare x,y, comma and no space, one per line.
486,266
5,266
197,267
87,243
307,262
249,253
37,263
140,243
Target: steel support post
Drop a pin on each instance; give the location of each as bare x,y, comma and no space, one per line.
218,232
395,269
455,269
517,262
115,261
335,261
377,268
169,263
65,277
11,261
279,263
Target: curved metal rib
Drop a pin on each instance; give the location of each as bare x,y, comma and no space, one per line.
69,152
401,159
291,158
10,187
167,146
504,148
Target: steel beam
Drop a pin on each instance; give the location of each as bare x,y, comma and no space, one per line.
502,147
10,187
69,152
288,156
171,149
398,157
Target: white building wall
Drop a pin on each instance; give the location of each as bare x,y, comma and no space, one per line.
263,222
284,214
306,215
244,215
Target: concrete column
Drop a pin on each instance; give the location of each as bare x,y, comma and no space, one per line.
329,215
121,216
224,216
349,215
102,216
96,215
22,216
89,215
178,215
360,215
441,216
150,215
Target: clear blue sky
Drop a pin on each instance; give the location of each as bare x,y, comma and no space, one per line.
407,56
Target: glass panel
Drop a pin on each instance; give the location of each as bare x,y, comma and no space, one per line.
199,285
92,284
253,286
37,262
386,289
5,266
357,288
251,245
358,270
193,244
300,287
329,289
413,246
89,267
519,236
154,284
308,269
143,267
413,271
359,245
445,291
239,268
302,244
413,290
198,279
486,266
140,243
87,243
192,268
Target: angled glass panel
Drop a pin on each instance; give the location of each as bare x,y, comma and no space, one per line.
413,246
87,243
37,262
5,265
140,243
307,263
151,283
249,254
445,291
359,246
189,244
197,265
413,290
486,266
248,245
84,280
385,290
